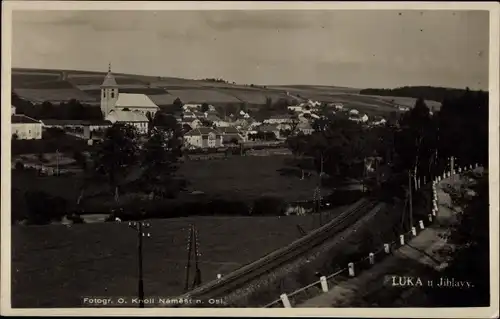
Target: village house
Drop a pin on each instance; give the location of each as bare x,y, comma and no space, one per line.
193,123
278,119
112,99
269,128
381,121
231,134
134,118
222,123
295,108
203,137
305,128
25,128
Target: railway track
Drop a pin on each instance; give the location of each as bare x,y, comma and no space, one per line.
237,279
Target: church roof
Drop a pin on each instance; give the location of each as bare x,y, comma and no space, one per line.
134,100
125,116
109,80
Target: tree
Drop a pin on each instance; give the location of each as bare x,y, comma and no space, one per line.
178,105
117,154
205,107
160,154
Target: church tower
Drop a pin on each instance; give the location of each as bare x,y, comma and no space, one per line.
109,93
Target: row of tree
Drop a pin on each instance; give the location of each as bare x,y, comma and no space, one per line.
418,142
425,92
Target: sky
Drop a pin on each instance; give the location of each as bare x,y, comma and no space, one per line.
351,48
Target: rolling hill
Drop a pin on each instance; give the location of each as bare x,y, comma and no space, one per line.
39,85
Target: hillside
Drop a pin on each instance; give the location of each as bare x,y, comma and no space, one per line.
38,85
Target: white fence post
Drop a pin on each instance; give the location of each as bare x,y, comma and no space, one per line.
434,212
402,239
324,284
351,269
387,248
421,224
414,231
425,179
418,184
371,256
286,302
430,217
219,276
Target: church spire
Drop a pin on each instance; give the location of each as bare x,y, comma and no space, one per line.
109,79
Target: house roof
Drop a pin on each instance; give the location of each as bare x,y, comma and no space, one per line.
267,128
304,126
126,116
281,116
109,80
23,119
228,130
201,131
134,100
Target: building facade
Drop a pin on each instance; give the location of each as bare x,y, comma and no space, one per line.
112,99
203,137
25,128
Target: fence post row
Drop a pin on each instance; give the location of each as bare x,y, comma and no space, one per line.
324,284
351,269
286,301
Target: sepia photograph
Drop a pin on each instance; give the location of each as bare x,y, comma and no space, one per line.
249,157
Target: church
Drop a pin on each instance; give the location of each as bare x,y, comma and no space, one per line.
130,108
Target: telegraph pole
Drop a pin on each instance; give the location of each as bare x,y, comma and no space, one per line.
138,227
197,277
319,192
410,199
188,266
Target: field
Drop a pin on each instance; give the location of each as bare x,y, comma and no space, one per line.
100,259
45,84
247,176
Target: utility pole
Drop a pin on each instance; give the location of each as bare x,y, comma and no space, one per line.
138,227
197,278
410,199
319,192
188,266
57,162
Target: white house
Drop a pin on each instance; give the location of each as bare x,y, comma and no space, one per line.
25,128
354,112
279,119
379,122
193,123
338,106
191,107
221,123
364,118
305,127
134,118
203,137
295,108
112,99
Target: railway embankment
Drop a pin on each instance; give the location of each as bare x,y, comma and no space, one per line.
400,279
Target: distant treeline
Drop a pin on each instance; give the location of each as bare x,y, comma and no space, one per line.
71,110
425,92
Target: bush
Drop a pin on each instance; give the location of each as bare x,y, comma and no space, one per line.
19,165
44,208
269,206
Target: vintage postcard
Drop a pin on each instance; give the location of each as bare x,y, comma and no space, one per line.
250,159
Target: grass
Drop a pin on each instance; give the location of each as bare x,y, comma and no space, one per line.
100,259
247,176
202,95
